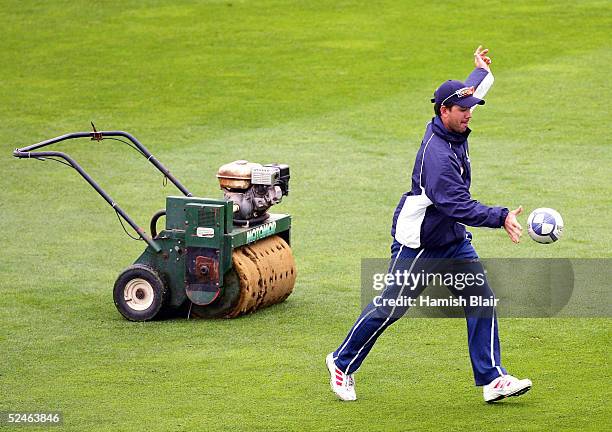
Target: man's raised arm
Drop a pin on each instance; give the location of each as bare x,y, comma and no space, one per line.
481,77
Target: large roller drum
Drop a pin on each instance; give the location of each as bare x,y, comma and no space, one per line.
263,274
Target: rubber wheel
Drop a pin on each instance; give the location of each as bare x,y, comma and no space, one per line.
139,293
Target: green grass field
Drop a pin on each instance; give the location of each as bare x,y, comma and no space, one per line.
340,91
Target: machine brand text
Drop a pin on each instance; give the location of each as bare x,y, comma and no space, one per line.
261,231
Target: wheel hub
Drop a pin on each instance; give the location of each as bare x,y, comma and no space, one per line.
138,294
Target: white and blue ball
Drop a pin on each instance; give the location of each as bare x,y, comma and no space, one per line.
545,225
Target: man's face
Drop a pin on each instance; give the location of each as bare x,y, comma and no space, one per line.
455,118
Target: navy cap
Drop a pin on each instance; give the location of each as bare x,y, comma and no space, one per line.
453,92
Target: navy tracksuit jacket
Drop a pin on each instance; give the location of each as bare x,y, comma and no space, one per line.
429,226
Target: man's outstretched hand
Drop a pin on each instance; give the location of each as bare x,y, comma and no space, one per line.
512,226
480,58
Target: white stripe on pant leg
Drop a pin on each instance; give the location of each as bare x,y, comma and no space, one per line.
351,335
492,347
390,315
396,257
366,315
393,266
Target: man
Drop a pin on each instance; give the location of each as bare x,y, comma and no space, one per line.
428,231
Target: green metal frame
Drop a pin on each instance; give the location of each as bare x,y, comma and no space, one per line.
206,226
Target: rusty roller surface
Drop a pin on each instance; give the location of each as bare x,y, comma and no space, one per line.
266,273
263,273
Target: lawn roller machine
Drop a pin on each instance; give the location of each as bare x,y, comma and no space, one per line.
216,258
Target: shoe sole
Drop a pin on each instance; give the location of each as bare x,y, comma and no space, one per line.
516,393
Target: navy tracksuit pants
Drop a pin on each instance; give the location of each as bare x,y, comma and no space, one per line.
483,340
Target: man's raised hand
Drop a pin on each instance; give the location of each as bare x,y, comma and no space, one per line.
512,226
481,60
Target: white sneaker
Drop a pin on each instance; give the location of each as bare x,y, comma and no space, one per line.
505,386
342,385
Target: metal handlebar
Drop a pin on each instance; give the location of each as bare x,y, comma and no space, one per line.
26,152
